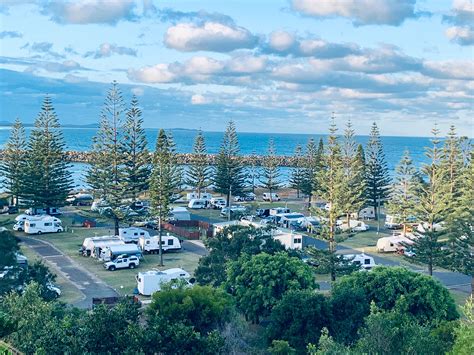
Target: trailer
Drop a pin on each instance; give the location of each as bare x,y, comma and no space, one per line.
43,224
151,281
132,234
152,245
113,251
392,244
365,262
89,245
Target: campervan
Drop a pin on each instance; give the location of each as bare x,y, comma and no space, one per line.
150,282
391,244
365,262
198,203
43,224
132,234
194,195
270,196
92,246
180,214
113,251
152,245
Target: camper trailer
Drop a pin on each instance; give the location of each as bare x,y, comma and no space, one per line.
150,282
366,213
43,224
365,262
392,222
113,251
194,195
132,234
180,214
151,245
392,244
90,245
198,203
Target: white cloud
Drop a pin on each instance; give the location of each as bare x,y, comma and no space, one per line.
90,11
361,12
199,99
156,74
462,17
108,49
208,36
281,40
461,35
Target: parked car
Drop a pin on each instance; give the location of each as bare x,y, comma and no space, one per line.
122,262
217,202
247,197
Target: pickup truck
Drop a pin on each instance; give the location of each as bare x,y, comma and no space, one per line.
122,263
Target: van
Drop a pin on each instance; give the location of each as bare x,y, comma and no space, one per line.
198,203
43,224
270,196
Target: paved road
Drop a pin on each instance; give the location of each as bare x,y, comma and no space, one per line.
452,280
89,285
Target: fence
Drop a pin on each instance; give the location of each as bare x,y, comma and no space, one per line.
179,228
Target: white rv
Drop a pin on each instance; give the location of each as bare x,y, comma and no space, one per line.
180,214
132,234
365,262
113,251
392,244
366,213
194,195
43,224
198,203
150,282
392,222
152,245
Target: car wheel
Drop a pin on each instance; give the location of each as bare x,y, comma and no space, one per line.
58,231
39,232
131,266
112,268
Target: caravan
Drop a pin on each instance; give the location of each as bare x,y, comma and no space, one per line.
93,245
365,262
152,245
150,282
111,252
198,203
392,244
354,226
194,195
43,224
132,234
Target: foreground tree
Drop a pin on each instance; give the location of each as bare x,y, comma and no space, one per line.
165,178
259,282
49,180
12,167
297,173
378,180
199,172
270,178
135,152
464,333
229,177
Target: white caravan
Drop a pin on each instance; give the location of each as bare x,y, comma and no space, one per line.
365,262
150,282
152,245
270,196
198,203
392,222
194,195
43,224
366,213
132,234
113,251
180,214
289,240
354,226
93,245
392,244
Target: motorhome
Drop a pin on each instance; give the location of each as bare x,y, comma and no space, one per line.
151,281
152,245
198,203
194,195
365,262
132,234
92,246
278,210
393,243
34,211
180,214
113,251
43,224
270,196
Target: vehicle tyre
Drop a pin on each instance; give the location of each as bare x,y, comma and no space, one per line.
112,268
39,232
131,266
58,231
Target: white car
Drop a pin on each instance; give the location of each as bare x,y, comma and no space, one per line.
122,262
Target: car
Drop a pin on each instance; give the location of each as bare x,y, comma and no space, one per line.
233,209
122,262
409,253
247,197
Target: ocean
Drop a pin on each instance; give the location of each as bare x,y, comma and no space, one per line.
80,139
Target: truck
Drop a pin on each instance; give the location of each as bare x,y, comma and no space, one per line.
122,262
151,281
132,234
152,245
111,252
43,224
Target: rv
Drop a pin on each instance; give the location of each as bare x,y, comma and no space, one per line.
196,203
52,211
43,224
289,240
270,196
150,282
392,244
132,234
91,246
366,213
365,262
152,245
180,214
113,251
194,195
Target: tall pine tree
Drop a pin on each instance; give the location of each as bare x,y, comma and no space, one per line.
48,181
229,175
377,177
198,174
271,175
297,173
136,156
165,178
312,163
14,162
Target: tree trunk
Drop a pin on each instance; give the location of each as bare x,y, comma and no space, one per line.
309,200
472,285
332,249
297,193
199,192
116,225
160,247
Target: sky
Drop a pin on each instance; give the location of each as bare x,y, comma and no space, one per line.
270,65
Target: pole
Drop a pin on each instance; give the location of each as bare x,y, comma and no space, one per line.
160,247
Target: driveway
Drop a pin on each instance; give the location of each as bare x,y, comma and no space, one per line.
89,285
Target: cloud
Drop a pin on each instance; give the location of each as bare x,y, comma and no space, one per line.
463,36
462,17
90,11
199,99
42,48
137,91
55,67
107,49
173,16
361,12
10,34
208,36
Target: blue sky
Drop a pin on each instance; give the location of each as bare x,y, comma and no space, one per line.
272,66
